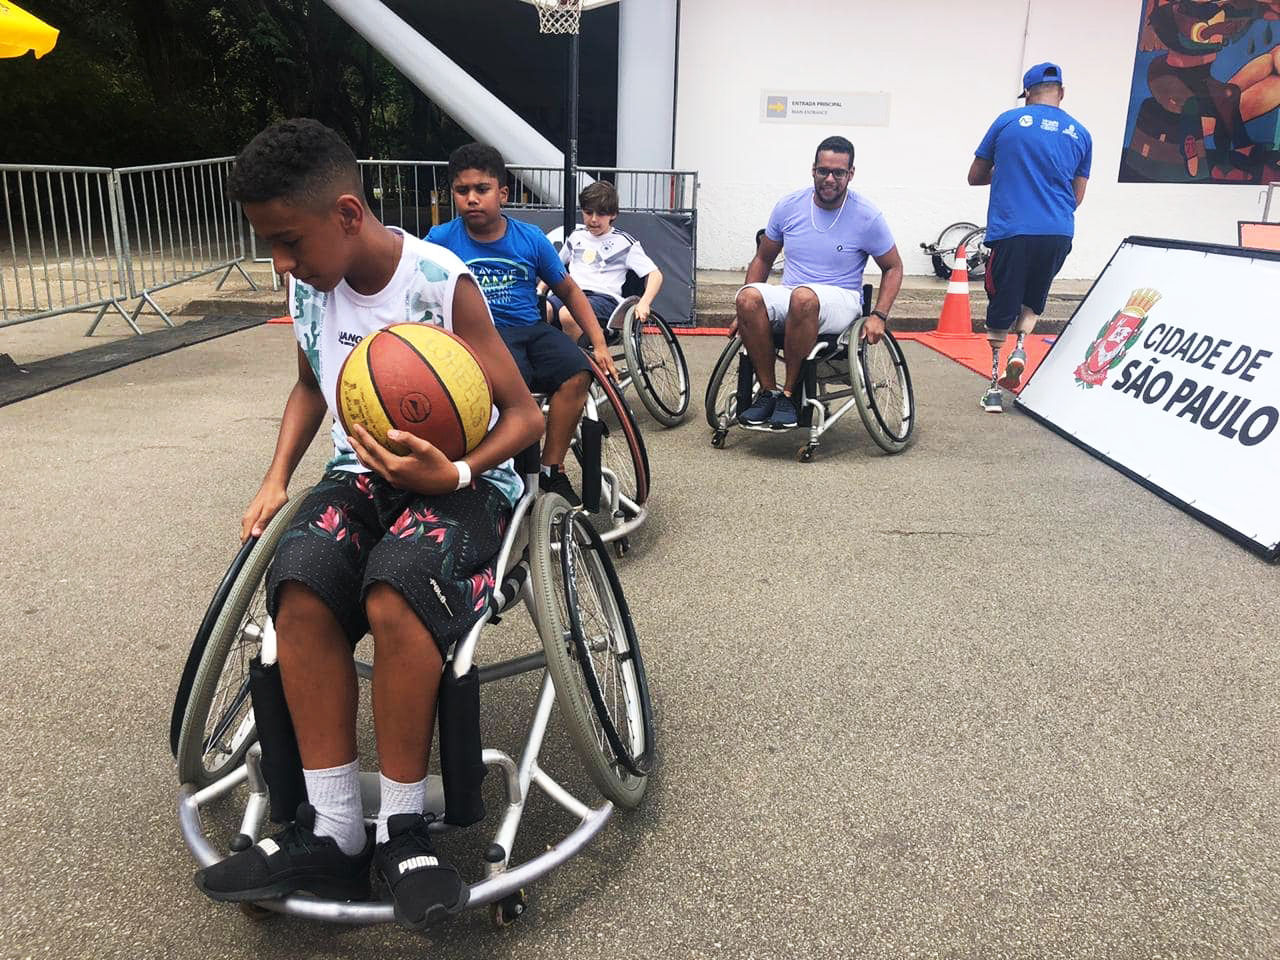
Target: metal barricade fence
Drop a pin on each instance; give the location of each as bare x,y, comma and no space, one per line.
415,195
61,243
79,238
177,223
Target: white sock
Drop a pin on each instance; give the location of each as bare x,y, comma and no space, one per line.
335,793
546,472
398,797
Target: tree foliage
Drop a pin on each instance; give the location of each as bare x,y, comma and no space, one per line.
152,81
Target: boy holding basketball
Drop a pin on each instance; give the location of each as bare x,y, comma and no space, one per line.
399,546
508,258
599,256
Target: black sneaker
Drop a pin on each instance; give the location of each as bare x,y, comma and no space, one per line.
424,888
292,860
558,482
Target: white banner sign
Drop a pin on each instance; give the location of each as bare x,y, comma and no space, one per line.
1170,368
825,107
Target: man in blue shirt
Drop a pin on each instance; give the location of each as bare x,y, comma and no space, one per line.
507,258
829,233
1037,160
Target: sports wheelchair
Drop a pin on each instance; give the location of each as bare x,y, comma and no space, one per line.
551,559
610,463
841,367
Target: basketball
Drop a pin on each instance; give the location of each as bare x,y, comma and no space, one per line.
418,378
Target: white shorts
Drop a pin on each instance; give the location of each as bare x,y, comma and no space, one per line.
837,307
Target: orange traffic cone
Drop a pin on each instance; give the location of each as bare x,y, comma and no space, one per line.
955,320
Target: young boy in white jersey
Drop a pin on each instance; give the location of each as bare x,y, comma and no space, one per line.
399,546
599,257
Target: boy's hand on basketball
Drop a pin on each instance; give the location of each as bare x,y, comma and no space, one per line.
266,504
424,470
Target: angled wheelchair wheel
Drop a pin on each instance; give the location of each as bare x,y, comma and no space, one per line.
217,727
943,251
882,389
977,253
592,652
657,367
201,642
721,400
622,448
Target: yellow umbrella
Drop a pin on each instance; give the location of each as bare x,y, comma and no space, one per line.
20,32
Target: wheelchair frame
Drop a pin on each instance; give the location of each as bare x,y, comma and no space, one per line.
814,414
503,884
622,320
626,513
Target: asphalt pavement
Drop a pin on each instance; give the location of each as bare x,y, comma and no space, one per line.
984,699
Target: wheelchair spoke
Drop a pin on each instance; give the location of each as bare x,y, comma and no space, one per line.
659,371
230,717
595,663
882,389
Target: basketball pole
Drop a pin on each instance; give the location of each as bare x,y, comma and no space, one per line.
571,134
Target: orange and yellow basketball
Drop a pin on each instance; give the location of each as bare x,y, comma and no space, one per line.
418,378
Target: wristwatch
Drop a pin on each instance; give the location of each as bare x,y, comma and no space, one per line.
883,316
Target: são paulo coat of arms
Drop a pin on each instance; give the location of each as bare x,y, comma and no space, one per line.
1115,338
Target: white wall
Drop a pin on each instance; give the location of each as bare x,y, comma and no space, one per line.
949,69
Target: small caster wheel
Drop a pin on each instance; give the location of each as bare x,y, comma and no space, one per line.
509,909
805,454
717,439
621,547
256,913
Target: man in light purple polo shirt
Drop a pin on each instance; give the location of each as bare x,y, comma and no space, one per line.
829,232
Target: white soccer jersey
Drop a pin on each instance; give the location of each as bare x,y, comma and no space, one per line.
600,264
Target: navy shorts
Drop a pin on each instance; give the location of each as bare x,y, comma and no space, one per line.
602,305
1019,273
545,355
354,530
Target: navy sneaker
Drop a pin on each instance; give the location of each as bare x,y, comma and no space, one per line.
760,411
784,414
294,859
424,888
992,400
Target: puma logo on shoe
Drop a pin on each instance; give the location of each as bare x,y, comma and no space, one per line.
417,863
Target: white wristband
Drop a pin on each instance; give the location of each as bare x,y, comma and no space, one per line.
464,474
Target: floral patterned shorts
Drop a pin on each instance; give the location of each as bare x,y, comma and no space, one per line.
354,530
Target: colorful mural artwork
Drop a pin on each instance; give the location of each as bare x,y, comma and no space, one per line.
1205,102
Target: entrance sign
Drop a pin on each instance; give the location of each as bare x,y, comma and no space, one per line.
1169,370
825,107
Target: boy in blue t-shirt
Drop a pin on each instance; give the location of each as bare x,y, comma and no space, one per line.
508,258
1037,159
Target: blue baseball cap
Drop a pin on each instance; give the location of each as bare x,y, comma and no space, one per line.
1041,73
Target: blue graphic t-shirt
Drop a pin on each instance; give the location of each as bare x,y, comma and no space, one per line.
508,270
1037,151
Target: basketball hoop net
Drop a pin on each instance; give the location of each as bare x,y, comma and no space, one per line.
558,16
